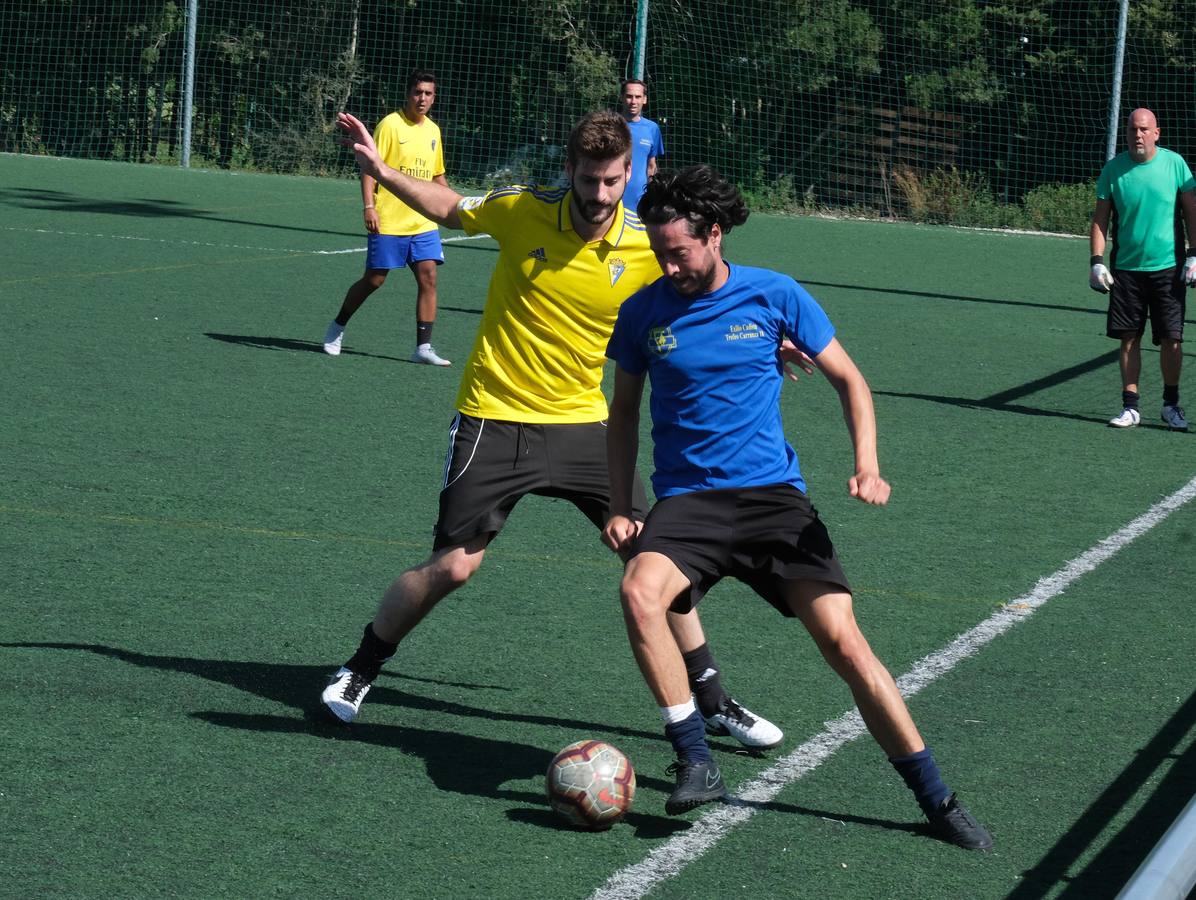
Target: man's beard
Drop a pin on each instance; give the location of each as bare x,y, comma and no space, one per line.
698,283
596,213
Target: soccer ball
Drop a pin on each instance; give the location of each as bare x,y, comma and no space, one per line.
591,783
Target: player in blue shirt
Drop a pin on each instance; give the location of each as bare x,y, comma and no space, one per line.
731,500
646,141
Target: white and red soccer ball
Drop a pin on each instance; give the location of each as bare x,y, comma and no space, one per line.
591,783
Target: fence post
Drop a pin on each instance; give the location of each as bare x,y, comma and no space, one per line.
189,80
1118,64
641,39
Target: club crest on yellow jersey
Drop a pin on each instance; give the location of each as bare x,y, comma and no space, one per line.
616,267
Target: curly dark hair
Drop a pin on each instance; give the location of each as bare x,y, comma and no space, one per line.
699,195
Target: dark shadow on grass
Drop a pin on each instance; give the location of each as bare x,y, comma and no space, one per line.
293,345
468,685
1099,310
655,827
935,295
460,763
919,828
1002,401
1003,398
1118,860
646,825
59,201
145,208
299,687
969,403
33,192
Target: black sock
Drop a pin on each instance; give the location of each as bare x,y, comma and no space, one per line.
707,687
371,654
1129,399
1171,395
423,333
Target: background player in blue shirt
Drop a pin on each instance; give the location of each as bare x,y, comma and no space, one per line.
646,141
731,500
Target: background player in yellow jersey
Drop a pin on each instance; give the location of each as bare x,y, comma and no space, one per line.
398,235
531,413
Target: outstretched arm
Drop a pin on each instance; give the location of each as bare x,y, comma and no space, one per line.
433,199
856,400
622,448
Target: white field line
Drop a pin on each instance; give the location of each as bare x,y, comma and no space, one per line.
672,856
176,241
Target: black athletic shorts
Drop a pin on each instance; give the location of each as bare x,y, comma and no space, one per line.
491,465
1135,294
764,536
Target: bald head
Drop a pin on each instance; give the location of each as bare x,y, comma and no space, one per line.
1142,134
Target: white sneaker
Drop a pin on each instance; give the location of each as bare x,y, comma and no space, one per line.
346,689
332,339
745,726
426,355
1174,417
1128,418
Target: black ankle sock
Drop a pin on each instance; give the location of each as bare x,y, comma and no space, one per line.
423,333
1129,399
372,653
1171,395
704,681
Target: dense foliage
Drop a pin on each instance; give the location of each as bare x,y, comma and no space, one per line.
804,102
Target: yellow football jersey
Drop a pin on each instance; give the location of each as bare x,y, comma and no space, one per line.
416,150
550,307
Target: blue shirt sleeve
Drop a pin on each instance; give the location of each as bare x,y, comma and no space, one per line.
807,324
625,346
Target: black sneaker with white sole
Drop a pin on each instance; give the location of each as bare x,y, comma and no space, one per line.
952,823
344,693
697,783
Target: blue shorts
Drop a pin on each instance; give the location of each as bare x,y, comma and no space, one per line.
393,251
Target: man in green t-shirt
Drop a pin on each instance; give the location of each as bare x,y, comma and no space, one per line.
1144,201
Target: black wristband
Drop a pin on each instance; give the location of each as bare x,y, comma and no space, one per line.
1096,260
1191,252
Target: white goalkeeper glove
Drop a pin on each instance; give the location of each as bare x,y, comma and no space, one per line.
1100,279
1190,269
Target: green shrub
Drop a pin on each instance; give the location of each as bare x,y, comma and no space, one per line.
952,197
778,195
1064,208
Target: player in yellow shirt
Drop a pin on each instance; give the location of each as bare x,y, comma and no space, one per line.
398,235
530,410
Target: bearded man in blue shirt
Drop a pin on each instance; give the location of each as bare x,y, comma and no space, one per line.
731,500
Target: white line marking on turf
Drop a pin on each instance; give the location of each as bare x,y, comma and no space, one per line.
672,856
131,237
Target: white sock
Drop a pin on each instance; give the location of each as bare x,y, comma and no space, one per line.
679,713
